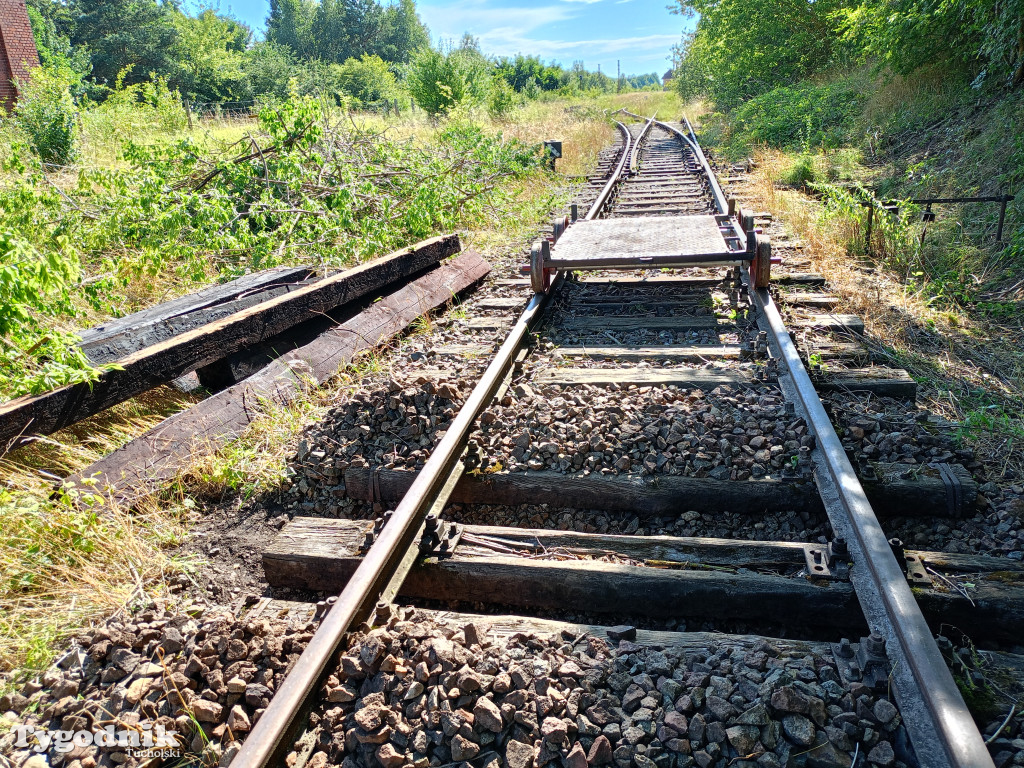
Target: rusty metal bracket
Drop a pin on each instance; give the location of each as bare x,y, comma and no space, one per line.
864,662
439,538
917,573
827,561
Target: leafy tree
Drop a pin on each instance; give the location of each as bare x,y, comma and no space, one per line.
522,70
502,99
290,24
137,35
965,35
210,51
402,33
338,30
46,113
343,29
439,82
644,81
742,48
269,67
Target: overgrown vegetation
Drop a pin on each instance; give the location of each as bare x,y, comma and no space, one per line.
356,54
926,95
307,185
184,207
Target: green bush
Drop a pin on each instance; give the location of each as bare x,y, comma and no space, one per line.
299,189
802,173
440,82
367,80
804,115
149,107
502,99
46,113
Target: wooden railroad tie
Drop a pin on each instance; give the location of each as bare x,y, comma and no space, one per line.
895,490
166,360
654,576
884,382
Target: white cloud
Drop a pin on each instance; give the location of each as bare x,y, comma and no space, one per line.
508,41
478,16
506,31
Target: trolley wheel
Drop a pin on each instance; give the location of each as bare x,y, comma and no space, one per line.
540,277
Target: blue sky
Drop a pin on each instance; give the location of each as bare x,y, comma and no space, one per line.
640,33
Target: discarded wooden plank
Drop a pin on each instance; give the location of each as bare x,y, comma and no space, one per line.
884,382
834,322
159,454
321,554
162,362
921,493
120,337
656,576
683,353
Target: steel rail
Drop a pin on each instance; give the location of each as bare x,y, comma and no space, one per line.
721,204
634,156
265,741
269,740
602,197
716,190
941,728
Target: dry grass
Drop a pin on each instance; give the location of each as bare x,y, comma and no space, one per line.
61,564
62,567
970,371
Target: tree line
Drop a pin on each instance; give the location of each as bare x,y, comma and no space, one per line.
741,49
358,51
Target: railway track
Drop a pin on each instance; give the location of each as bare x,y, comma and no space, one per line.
659,207
597,514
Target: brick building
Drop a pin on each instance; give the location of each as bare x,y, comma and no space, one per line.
18,52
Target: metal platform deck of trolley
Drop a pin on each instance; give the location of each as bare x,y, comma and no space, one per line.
658,241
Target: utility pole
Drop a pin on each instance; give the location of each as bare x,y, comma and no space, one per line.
618,76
